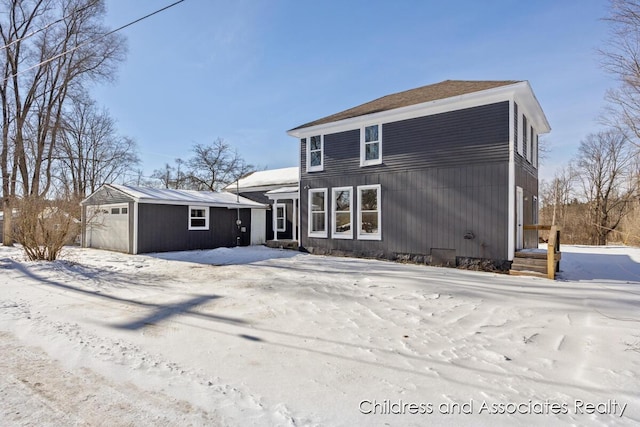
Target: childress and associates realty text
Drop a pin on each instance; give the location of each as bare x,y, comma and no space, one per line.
547,407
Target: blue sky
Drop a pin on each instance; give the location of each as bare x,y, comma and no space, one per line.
247,71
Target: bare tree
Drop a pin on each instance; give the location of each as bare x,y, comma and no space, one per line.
90,152
216,165
51,49
556,195
621,57
607,169
172,177
44,227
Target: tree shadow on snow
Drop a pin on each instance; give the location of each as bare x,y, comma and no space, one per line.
227,256
160,312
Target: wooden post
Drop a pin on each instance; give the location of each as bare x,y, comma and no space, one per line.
551,253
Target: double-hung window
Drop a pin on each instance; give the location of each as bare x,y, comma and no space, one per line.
369,212
315,153
281,217
318,212
198,218
534,148
371,145
342,199
525,136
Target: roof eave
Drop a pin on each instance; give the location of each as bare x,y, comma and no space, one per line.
415,110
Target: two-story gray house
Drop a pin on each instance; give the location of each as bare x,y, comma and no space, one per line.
441,174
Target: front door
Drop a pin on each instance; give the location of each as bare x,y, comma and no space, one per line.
519,218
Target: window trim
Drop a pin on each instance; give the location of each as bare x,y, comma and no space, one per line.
525,138
284,216
320,234
534,148
530,144
338,234
368,236
363,146
206,218
320,167
519,132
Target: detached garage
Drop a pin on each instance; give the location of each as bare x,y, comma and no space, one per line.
136,220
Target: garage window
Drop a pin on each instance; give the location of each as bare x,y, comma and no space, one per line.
198,218
115,211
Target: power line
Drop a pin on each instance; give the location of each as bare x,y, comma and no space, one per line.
73,49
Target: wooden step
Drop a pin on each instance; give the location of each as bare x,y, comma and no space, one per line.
542,269
535,255
530,261
527,273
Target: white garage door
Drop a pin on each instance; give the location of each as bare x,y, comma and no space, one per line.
108,227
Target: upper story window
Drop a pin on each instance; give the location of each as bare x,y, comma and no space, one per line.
198,218
318,212
315,153
342,213
529,144
369,214
525,140
532,157
370,145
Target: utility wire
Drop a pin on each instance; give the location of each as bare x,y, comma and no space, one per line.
73,49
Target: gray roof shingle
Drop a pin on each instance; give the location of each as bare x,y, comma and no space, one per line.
442,90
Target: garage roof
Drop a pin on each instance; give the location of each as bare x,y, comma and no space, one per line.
173,197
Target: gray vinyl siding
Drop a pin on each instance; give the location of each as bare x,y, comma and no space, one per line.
256,196
164,228
442,176
107,196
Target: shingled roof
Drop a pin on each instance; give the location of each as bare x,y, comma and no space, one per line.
442,90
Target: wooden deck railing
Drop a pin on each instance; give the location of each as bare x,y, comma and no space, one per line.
553,248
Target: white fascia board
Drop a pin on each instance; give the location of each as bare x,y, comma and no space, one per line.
282,196
262,189
202,203
527,100
488,96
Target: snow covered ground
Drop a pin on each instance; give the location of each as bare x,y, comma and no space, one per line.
257,336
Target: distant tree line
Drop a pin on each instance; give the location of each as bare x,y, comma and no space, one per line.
595,198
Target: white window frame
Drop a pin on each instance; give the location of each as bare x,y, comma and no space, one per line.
284,216
363,146
206,218
320,167
525,137
341,234
520,142
310,232
529,143
534,148
369,236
